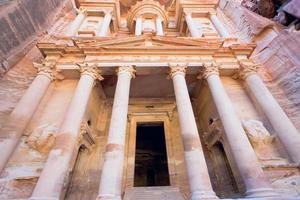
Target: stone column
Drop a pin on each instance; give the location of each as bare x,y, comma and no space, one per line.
54,177
138,26
191,25
199,181
13,128
286,131
256,182
159,27
112,171
105,25
219,26
75,25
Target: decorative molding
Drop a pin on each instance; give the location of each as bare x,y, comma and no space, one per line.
208,69
148,8
126,69
247,67
177,68
48,69
90,69
214,134
85,136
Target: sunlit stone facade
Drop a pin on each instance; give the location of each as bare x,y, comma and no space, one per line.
147,100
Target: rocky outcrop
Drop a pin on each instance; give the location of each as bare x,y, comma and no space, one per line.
21,23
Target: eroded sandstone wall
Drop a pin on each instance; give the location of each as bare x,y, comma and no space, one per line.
278,49
21,23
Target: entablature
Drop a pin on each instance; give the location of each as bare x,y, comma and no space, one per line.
109,54
146,45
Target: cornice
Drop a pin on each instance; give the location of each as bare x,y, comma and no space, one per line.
137,46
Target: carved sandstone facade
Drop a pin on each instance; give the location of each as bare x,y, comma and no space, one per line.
131,95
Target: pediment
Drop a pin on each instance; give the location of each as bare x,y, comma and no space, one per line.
148,42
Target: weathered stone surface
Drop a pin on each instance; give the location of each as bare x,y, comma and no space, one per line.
151,99
21,23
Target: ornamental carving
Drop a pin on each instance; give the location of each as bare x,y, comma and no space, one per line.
43,137
126,69
247,68
177,68
257,132
90,69
146,8
85,137
48,69
208,69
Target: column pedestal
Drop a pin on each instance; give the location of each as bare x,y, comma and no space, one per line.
199,181
112,171
53,179
12,130
256,182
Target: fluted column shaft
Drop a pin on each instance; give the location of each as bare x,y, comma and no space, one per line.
286,131
159,27
53,179
257,185
219,26
112,171
199,181
75,25
13,128
138,26
192,27
105,25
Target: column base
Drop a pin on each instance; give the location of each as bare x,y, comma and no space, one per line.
108,197
262,192
203,195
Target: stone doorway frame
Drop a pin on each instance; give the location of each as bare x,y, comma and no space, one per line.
130,146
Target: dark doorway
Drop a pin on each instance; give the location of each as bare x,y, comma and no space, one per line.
226,186
151,166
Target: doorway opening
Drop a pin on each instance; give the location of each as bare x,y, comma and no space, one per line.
226,185
151,165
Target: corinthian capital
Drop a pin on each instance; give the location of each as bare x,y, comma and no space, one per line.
48,68
247,68
126,69
90,69
208,69
177,68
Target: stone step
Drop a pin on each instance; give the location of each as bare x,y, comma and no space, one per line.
153,193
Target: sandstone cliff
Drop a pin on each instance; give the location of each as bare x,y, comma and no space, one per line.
21,23
278,49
